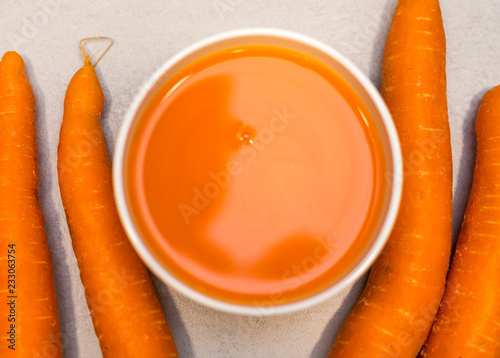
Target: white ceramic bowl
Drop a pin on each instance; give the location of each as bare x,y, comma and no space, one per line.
357,80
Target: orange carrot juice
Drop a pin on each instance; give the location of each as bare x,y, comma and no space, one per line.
256,175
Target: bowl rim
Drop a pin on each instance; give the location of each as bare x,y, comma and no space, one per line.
254,310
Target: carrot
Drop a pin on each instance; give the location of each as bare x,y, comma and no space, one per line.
468,321
127,316
28,308
397,307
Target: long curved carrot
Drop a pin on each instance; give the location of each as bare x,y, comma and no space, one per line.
398,305
126,313
468,321
28,308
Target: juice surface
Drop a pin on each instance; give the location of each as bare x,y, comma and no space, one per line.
255,175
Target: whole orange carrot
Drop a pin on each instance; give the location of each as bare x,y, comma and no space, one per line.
468,322
126,313
28,308
397,307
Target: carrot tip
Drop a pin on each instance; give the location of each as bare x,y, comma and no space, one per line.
13,61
